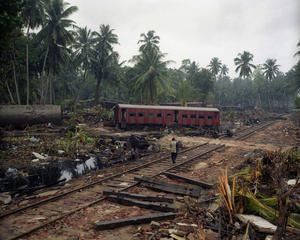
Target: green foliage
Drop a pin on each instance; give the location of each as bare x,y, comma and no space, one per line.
297,102
89,67
243,64
150,74
232,115
10,22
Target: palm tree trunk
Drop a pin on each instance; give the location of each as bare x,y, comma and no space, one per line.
42,77
99,79
220,92
46,91
50,86
80,88
282,99
53,91
11,96
15,79
27,66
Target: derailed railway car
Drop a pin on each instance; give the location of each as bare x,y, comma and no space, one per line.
128,115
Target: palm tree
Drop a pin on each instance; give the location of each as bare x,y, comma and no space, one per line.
57,37
185,92
243,64
83,53
150,74
104,57
149,39
204,81
34,16
192,69
215,66
271,69
224,70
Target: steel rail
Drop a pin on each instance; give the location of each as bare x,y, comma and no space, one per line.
77,208
123,189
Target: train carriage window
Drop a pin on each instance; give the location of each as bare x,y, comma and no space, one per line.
201,116
150,114
184,116
131,114
216,115
141,114
169,115
209,116
160,115
193,115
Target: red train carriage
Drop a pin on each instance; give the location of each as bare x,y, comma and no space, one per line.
127,115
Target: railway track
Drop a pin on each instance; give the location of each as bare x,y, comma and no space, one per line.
247,132
52,209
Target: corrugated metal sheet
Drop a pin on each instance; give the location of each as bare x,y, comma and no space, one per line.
168,107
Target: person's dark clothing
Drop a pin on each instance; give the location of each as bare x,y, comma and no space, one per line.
174,149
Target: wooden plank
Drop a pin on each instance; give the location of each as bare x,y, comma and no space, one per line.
169,187
124,180
189,180
189,191
134,220
148,205
73,200
150,198
113,186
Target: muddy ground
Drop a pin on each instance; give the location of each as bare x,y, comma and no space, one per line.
17,149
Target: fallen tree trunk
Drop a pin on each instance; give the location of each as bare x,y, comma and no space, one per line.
22,115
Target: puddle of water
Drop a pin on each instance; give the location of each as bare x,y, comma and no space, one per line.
48,174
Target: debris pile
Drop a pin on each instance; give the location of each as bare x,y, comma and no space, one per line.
241,208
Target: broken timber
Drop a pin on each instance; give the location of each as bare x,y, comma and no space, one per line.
148,205
189,180
194,191
134,220
150,198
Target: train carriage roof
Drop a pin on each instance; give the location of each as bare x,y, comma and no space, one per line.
168,107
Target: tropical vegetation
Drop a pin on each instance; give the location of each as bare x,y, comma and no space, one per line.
46,58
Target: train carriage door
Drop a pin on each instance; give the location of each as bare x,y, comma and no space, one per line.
123,115
176,116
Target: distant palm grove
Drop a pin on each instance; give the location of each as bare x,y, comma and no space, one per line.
46,59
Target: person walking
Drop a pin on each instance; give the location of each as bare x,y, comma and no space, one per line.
174,149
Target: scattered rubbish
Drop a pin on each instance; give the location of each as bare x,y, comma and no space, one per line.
34,140
5,199
60,152
39,156
292,182
261,224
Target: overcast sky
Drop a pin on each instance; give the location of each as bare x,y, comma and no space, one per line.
201,29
